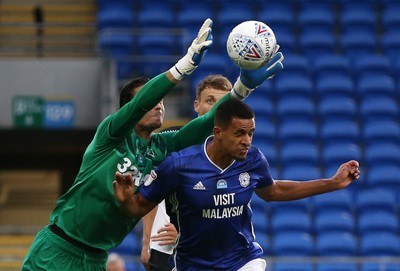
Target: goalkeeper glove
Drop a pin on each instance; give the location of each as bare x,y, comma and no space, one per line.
251,79
187,64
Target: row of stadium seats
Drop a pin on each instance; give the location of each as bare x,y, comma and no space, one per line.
168,46
307,27
284,15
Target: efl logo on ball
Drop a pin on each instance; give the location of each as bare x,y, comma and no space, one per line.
251,44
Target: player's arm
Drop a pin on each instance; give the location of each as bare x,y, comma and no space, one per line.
286,190
148,221
124,120
133,204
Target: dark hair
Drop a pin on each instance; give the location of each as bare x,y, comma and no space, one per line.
127,94
214,81
232,108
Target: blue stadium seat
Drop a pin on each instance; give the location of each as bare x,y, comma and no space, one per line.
376,85
390,20
332,64
380,132
358,20
191,17
376,199
302,171
262,106
382,154
333,109
314,18
115,14
317,44
158,53
326,5
301,205
332,85
373,65
295,108
336,244
281,18
299,154
156,44
269,150
384,175
337,201
301,266
390,44
159,16
118,46
380,265
260,221
259,204
299,130
129,246
212,63
338,153
380,244
378,222
334,221
336,266
354,44
297,70
292,244
227,18
378,108
290,222
188,4
296,65
265,129
115,44
340,131
145,4
287,42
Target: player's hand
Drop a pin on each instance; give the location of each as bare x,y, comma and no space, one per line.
251,79
347,173
166,235
123,187
187,64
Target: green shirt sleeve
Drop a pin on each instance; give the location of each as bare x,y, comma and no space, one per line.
194,132
125,119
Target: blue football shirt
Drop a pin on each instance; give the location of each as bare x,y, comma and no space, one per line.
210,207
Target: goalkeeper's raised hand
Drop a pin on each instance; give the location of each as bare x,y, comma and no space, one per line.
251,79
187,64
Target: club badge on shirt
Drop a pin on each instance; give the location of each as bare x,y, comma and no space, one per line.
221,184
149,178
244,179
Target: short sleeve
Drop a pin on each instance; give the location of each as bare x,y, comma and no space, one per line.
163,183
262,169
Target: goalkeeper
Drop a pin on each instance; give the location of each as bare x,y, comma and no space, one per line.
87,221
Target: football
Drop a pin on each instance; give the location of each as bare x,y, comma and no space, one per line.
251,44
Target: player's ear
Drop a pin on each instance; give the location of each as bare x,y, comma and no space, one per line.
196,105
217,132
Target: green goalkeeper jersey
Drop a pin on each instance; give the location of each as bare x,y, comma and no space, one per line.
88,211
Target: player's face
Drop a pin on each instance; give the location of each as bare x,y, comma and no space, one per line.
154,118
237,138
208,97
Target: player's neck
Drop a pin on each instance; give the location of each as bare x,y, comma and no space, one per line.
218,156
143,133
